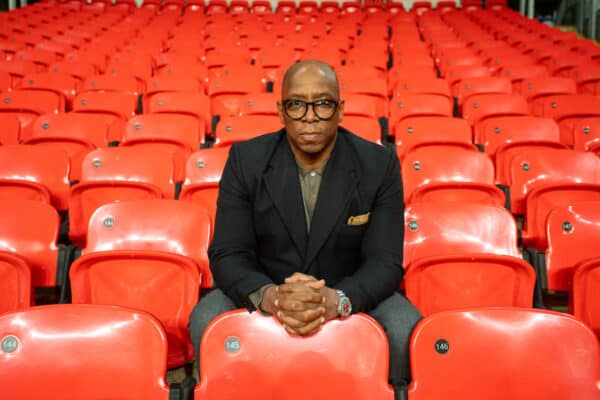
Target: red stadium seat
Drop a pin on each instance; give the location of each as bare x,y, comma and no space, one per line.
75,133
27,106
433,86
166,84
502,348
117,174
413,133
236,129
79,70
585,301
536,88
468,87
11,129
117,104
425,227
135,242
517,73
587,77
566,110
419,105
259,104
477,264
497,134
226,92
195,104
95,352
29,230
344,372
550,170
586,134
62,85
449,174
478,108
365,127
111,83
180,135
203,173
15,283
6,81
572,230
35,173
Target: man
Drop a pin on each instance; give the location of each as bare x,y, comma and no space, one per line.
310,223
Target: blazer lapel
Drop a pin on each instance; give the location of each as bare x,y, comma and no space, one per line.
283,185
339,181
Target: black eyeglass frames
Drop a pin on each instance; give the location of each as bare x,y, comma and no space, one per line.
296,109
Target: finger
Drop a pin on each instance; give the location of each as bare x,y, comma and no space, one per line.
311,327
294,287
308,315
289,321
299,277
310,300
316,284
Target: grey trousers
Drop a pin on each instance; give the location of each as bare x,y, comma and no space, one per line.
395,314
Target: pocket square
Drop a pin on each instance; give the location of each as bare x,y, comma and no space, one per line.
358,219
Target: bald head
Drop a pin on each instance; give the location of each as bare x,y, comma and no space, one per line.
323,71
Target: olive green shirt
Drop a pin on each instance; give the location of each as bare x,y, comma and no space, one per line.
310,182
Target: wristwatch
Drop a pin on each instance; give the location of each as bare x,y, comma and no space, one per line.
344,307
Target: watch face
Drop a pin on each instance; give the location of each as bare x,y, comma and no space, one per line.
345,307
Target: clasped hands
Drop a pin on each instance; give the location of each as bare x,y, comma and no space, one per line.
302,304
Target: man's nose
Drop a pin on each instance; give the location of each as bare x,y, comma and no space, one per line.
310,113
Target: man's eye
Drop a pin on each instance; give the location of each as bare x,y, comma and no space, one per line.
297,103
324,103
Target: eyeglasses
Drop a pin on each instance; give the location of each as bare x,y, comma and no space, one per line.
323,109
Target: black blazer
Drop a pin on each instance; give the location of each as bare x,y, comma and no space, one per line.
260,234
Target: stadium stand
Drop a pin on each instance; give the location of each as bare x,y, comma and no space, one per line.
104,103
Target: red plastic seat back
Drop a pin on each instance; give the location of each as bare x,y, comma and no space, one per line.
34,173
479,107
417,105
412,133
30,230
235,361
571,232
11,129
178,134
457,228
539,87
95,352
15,282
586,134
586,297
236,129
170,226
561,107
196,104
501,347
365,127
497,132
469,280
117,174
203,173
120,104
545,167
449,174
483,85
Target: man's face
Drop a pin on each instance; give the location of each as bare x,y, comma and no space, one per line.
313,133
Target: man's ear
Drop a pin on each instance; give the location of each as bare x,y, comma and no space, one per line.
340,111
280,112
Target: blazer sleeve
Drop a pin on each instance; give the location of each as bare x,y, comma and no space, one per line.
232,252
380,271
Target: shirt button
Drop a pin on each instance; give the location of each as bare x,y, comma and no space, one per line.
313,173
